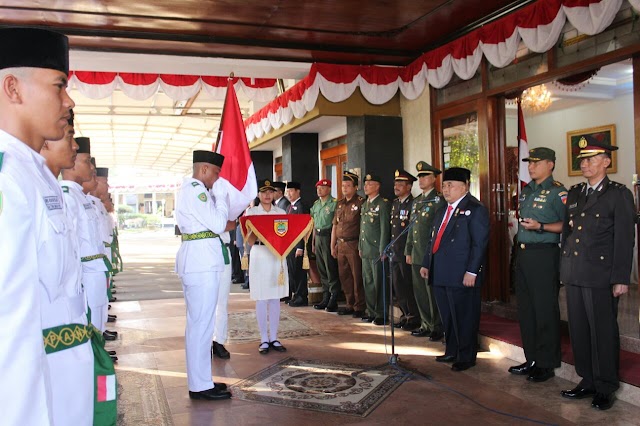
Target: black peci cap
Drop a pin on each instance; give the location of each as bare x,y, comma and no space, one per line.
102,172
201,156
293,185
34,48
457,173
84,145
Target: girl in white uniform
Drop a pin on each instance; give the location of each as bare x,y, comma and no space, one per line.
264,269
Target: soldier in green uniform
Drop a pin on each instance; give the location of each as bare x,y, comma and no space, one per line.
423,210
541,213
374,237
322,213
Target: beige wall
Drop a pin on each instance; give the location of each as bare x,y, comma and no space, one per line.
416,130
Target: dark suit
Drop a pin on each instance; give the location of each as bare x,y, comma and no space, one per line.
297,275
597,252
283,203
462,249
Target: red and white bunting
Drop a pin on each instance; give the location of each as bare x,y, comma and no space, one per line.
538,26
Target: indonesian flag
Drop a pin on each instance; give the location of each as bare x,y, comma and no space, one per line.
523,150
106,388
237,170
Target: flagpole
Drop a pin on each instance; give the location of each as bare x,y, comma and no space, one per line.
216,144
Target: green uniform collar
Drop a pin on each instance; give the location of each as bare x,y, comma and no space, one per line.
545,184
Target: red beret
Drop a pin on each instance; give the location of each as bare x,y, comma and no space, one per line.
323,182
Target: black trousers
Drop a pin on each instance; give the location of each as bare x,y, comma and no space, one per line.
403,289
595,338
460,311
297,276
537,286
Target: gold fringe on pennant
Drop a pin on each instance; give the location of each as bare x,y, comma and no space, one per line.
305,259
244,262
281,275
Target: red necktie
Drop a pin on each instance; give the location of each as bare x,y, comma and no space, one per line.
436,244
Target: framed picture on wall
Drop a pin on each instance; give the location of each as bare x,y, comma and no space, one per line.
606,134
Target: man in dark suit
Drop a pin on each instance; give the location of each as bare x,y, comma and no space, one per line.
297,275
453,262
595,267
279,200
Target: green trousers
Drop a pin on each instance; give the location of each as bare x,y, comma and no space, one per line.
372,281
426,301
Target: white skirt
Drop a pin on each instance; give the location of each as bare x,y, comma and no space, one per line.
264,269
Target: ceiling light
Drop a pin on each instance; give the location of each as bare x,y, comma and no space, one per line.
536,98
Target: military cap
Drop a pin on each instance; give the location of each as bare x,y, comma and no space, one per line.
102,172
265,185
34,48
459,174
293,185
404,176
201,156
323,182
347,175
542,153
279,185
84,145
372,178
590,147
425,168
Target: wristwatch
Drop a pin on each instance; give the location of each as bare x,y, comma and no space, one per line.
541,229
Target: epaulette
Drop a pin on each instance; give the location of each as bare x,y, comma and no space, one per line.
316,201
618,184
65,189
556,183
578,185
1,158
195,183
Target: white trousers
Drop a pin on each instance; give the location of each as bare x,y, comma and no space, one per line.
200,295
95,287
222,312
271,309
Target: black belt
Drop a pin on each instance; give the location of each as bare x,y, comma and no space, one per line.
346,240
323,232
258,243
537,246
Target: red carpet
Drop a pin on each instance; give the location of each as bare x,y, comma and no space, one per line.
507,330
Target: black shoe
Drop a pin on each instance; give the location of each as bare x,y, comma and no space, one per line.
367,318
111,353
421,332
114,333
358,314
115,317
332,306
245,286
538,374
411,325
578,393
114,358
436,336
110,319
400,323
446,358
286,300
109,307
212,394
523,369
325,301
462,365
603,401
299,301
109,337
113,292
221,386
219,350
277,348
113,299
345,311
379,321
263,351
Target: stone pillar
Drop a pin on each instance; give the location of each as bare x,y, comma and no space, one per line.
300,162
374,145
263,164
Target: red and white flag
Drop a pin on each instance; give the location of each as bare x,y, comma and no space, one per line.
237,169
523,150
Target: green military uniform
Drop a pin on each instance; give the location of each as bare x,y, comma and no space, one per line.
537,269
322,213
422,212
374,237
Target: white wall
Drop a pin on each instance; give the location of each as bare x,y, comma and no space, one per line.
416,131
550,130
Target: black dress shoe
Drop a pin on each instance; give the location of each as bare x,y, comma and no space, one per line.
367,319
245,286
538,374
263,351
378,321
109,319
212,394
411,325
603,401
445,358
462,365
320,306
112,353
332,306
400,323
299,301
278,347
578,393
285,299
219,350
522,369
112,316
114,358
113,292
109,337
358,314
113,299
114,333
421,332
436,336
345,311
221,386
108,307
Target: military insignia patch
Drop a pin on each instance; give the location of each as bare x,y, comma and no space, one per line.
419,166
582,143
202,197
397,173
281,227
195,183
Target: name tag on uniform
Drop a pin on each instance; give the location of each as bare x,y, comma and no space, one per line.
53,202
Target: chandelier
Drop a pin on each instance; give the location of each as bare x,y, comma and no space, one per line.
536,98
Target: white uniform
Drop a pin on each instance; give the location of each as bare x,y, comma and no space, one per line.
199,263
222,311
39,289
94,268
264,267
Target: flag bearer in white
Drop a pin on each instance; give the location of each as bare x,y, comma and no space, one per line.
222,311
70,367
34,107
201,217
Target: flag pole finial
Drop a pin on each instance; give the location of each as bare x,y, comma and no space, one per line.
231,75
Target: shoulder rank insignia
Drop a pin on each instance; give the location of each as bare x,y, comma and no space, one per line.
195,183
65,189
202,197
556,183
